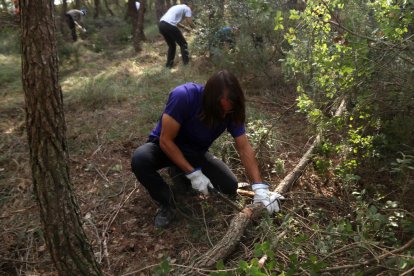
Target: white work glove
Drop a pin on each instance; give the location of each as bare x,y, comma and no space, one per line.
271,200
199,181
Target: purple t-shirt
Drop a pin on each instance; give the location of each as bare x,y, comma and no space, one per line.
184,105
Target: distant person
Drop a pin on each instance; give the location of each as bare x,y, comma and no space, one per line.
224,38
16,7
168,28
75,19
194,117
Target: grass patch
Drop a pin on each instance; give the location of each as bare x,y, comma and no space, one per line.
97,93
9,42
10,77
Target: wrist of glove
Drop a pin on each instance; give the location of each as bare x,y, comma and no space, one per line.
271,200
199,181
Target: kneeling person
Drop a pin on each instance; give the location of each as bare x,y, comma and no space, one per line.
194,116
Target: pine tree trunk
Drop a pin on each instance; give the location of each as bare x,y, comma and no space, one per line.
77,4
108,8
97,8
137,23
160,8
63,19
140,23
46,131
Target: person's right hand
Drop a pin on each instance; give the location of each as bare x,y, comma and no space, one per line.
271,200
199,181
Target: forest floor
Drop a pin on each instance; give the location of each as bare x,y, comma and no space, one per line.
117,210
111,103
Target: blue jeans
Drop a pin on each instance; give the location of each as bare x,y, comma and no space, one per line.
149,158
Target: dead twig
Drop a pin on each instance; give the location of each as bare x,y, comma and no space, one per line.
377,259
205,224
115,213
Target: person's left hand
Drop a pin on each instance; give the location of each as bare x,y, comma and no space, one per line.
199,181
271,200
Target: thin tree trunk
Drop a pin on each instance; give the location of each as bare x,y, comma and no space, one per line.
130,10
141,17
137,23
97,8
160,8
63,19
77,4
117,3
46,132
108,8
220,9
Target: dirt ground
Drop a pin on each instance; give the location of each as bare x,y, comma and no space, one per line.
118,213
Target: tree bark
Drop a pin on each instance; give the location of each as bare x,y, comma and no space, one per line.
137,23
46,131
108,8
97,8
63,19
141,17
77,4
160,8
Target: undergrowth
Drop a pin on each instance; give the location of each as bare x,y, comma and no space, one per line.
327,225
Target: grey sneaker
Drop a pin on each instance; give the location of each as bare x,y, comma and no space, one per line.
164,216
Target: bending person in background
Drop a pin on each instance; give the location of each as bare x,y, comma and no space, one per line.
75,19
223,39
176,15
194,116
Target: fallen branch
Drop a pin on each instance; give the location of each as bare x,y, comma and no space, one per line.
231,238
239,223
376,259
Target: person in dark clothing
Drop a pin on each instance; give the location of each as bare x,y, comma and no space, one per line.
223,39
74,19
194,116
172,34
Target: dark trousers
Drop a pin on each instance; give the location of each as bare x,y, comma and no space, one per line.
149,158
173,35
72,27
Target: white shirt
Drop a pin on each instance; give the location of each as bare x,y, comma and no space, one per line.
137,5
176,14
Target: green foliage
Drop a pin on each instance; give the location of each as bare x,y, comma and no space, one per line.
97,93
256,46
9,41
263,138
9,72
403,165
342,49
163,269
310,245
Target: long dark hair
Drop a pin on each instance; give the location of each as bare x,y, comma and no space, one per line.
219,85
